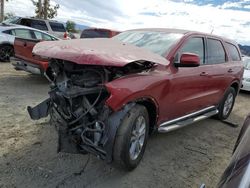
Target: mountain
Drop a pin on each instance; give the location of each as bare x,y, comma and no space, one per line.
245,50
81,27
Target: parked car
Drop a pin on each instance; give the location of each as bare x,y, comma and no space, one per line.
107,95
8,33
52,27
98,33
246,76
24,58
237,173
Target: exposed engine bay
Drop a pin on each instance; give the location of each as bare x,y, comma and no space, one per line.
77,105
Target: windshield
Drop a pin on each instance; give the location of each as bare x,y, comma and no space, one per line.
157,42
11,20
246,64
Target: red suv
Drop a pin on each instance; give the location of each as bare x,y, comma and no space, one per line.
108,95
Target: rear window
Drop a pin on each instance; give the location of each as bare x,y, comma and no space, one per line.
95,34
233,52
37,24
216,52
57,27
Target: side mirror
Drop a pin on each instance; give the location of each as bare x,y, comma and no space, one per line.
188,60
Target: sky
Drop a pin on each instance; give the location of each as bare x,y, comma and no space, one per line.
230,19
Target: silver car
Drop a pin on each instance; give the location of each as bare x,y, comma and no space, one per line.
8,32
246,76
49,26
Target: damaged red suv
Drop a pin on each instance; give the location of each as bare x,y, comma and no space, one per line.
108,95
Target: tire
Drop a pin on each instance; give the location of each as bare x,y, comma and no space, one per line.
227,103
6,51
124,154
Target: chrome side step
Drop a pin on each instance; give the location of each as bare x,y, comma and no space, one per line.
187,120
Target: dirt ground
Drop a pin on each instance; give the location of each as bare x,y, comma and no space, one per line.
188,157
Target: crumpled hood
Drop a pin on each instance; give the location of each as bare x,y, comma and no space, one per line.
99,51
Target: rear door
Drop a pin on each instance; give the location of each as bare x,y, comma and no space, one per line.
24,42
23,46
217,68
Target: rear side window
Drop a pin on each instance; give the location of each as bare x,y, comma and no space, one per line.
233,52
216,52
7,32
43,36
57,27
23,33
95,34
194,45
37,24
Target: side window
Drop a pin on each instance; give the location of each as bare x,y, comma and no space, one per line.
194,45
233,52
57,27
43,36
37,24
7,32
38,35
23,33
216,52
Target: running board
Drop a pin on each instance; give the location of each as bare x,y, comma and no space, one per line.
187,120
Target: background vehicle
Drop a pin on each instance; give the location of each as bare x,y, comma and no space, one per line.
50,26
24,58
98,33
8,32
246,76
237,172
108,98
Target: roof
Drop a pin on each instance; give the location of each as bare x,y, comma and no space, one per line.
4,27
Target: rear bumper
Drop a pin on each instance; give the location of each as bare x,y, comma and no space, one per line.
20,64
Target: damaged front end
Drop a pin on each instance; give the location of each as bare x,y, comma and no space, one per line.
77,106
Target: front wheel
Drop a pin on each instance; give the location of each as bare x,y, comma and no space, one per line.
131,138
226,105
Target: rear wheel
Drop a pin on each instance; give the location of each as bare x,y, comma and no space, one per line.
131,138
227,104
6,52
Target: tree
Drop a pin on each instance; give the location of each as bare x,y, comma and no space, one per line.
2,10
71,26
45,10
9,15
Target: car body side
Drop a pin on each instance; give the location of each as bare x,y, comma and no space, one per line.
176,91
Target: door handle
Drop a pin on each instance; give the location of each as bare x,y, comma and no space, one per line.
25,44
203,74
230,70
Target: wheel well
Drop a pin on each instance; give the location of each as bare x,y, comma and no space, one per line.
152,111
235,85
6,44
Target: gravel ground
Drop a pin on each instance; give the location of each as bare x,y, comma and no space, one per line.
187,157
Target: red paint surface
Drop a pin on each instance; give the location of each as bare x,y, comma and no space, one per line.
174,91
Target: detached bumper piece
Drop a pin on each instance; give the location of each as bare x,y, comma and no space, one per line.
25,66
39,111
